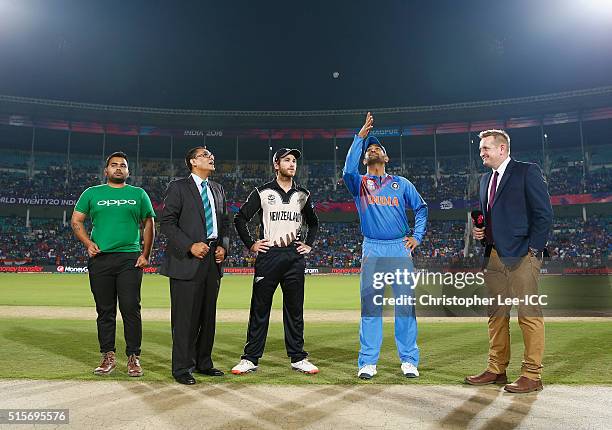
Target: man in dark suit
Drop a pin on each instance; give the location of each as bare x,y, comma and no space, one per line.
518,217
196,224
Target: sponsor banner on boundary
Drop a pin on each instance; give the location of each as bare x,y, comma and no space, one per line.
345,271
547,270
251,270
239,270
71,269
587,271
23,269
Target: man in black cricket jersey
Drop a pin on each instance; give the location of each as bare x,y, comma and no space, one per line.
283,208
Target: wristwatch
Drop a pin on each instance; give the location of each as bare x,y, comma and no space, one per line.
534,252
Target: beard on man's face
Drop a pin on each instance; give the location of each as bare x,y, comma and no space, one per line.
374,158
117,179
286,172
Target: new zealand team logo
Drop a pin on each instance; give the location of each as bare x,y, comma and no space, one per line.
395,185
271,199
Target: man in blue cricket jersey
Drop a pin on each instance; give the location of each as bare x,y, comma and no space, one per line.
382,201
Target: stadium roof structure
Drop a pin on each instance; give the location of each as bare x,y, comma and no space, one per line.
493,110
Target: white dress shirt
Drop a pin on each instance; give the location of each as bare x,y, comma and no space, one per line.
211,199
500,173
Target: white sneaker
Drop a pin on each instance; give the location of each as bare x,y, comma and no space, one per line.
367,372
305,366
409,370
245,366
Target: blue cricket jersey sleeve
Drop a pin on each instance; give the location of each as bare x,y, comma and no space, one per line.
414,201
382,201
350,173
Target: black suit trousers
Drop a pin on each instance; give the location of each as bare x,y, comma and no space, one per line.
194,308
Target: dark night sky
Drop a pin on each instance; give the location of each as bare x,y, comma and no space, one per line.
239,54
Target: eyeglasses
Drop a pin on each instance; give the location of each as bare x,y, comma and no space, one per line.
204,155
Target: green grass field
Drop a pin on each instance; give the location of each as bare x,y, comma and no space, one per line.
322,292
577,352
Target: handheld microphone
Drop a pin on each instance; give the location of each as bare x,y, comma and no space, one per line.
478,220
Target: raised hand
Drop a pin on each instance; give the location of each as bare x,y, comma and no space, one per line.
367,126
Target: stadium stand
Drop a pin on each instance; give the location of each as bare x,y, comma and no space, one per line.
573,243
52,178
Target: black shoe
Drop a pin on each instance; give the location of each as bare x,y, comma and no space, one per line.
210,372
185,379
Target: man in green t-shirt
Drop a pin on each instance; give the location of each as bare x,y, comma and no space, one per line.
117,211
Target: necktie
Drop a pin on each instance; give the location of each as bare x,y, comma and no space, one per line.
208,214
489,220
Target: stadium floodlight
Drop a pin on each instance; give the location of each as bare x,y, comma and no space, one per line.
591,10
595,6
11,11
6,6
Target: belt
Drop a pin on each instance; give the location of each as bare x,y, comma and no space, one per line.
211,242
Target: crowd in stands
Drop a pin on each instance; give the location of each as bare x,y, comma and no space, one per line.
44,242
573,243
51,177
47,242
582,244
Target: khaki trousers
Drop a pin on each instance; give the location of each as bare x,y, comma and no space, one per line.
514,281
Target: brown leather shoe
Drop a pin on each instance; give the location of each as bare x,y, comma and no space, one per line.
133,366
524,385
107,365
487,377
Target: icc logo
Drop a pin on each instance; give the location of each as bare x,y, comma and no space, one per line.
446,204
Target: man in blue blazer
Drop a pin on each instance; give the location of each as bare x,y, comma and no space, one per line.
518,217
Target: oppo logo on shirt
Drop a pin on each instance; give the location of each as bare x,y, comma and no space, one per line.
116,202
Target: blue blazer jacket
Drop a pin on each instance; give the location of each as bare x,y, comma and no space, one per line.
521,212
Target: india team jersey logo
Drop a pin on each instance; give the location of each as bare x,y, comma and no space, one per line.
372,195
383,200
